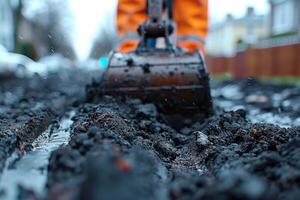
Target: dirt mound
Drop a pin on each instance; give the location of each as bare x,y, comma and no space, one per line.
227,157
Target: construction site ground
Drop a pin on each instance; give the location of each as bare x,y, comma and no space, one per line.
56,145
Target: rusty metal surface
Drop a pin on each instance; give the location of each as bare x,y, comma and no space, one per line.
176,83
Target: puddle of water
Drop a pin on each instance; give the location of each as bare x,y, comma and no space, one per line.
231,100
232,92
229,105
283,121
201,169
297,122
31,169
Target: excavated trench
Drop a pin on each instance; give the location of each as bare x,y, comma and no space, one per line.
30,169
112,149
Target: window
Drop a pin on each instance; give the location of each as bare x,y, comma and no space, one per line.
250,28
283,17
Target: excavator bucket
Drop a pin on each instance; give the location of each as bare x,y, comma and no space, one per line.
177,83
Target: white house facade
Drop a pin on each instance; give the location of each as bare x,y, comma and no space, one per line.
285,16
223,38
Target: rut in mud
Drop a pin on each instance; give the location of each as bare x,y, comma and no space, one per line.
124,149
31,110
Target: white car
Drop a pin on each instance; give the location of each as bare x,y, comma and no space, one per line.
20,65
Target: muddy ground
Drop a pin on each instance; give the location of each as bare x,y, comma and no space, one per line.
249,149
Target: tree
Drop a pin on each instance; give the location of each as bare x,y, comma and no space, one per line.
17,6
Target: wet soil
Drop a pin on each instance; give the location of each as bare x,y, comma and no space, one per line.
30,106
249,149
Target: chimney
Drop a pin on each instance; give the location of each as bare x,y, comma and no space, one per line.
250,11
229,17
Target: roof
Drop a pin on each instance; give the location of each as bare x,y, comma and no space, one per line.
244,20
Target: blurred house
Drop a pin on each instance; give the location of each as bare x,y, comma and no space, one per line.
6,23
224,37
285,17
284,26
272,49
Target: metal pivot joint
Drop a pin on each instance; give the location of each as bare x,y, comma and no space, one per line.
155,27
